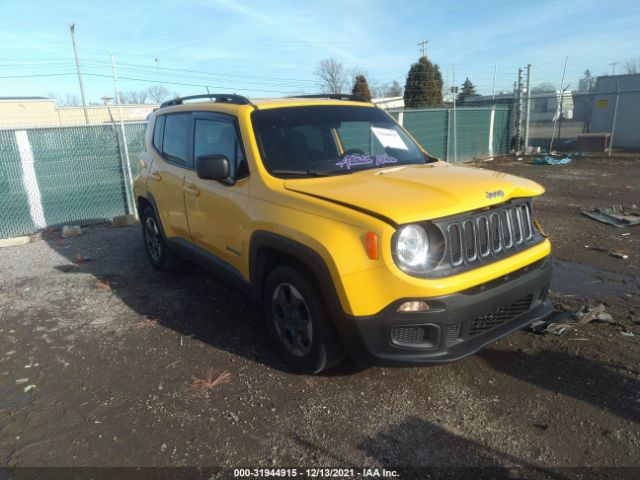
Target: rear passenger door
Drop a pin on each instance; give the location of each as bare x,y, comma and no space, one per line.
217,212
171,159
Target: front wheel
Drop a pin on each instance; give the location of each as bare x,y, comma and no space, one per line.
299,323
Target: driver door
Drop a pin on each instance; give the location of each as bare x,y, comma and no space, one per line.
216,211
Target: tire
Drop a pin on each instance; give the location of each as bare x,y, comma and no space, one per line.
158,253
298,321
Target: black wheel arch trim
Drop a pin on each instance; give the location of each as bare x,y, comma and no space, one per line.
261,240
149,198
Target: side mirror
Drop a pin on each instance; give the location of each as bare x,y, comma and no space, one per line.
213,167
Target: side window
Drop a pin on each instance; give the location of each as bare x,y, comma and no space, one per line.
219,137
157,132
175,142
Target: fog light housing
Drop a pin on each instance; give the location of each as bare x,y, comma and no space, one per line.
414,306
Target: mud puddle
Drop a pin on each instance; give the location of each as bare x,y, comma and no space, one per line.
584,281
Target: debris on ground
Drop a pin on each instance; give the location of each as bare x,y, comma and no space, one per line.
211,380
68,232
611,253
615,215
148,322
103,285
67,268
232,416
621,255
29,388
550,160
558,323
124,220
627,334
80,259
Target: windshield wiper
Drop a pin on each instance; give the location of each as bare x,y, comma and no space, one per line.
310,173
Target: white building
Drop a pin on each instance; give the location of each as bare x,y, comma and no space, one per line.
626,88
389,102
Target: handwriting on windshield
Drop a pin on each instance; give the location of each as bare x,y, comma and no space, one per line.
357,159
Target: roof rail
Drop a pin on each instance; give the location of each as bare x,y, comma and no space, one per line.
218,97
335,96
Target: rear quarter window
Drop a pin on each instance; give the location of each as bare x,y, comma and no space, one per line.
157,133
175,139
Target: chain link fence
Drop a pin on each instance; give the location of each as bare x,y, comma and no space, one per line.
55,175
59,175
600,118
460,134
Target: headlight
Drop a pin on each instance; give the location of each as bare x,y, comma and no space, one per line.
411,248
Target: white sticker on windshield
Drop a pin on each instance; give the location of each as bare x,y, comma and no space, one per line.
389,138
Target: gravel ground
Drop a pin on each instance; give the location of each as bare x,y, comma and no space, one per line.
99,353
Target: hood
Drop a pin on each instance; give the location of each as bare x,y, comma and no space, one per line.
411,193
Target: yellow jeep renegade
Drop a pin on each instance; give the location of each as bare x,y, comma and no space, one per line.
351,236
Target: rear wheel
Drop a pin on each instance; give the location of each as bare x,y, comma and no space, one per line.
160,257
299,323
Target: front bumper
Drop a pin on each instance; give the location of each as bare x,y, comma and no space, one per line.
455,325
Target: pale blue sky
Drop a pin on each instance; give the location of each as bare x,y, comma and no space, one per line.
270,48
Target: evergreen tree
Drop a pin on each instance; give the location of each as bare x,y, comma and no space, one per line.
424,85
468,90
361,88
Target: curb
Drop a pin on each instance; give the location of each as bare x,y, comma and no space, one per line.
14,242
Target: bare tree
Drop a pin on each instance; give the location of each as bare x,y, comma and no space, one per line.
56,96
544,87
332,75
135,96
393,89
632,65
158,93
71,100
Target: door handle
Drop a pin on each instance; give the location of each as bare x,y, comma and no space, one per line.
191,190
156,176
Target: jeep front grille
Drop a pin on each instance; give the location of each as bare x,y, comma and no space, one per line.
487,234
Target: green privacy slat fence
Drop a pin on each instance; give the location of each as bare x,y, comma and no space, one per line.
82,184
502,131
472,133
433,129
78,175
15,219
77,172
429,128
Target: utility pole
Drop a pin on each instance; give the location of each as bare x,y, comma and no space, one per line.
615,116
613,67
556,118
528,111
519,112
455,129
493,90
72,27
128,175
561,110
423,47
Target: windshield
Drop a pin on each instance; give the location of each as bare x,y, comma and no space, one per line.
331,140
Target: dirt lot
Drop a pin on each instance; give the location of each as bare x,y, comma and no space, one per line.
98,353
